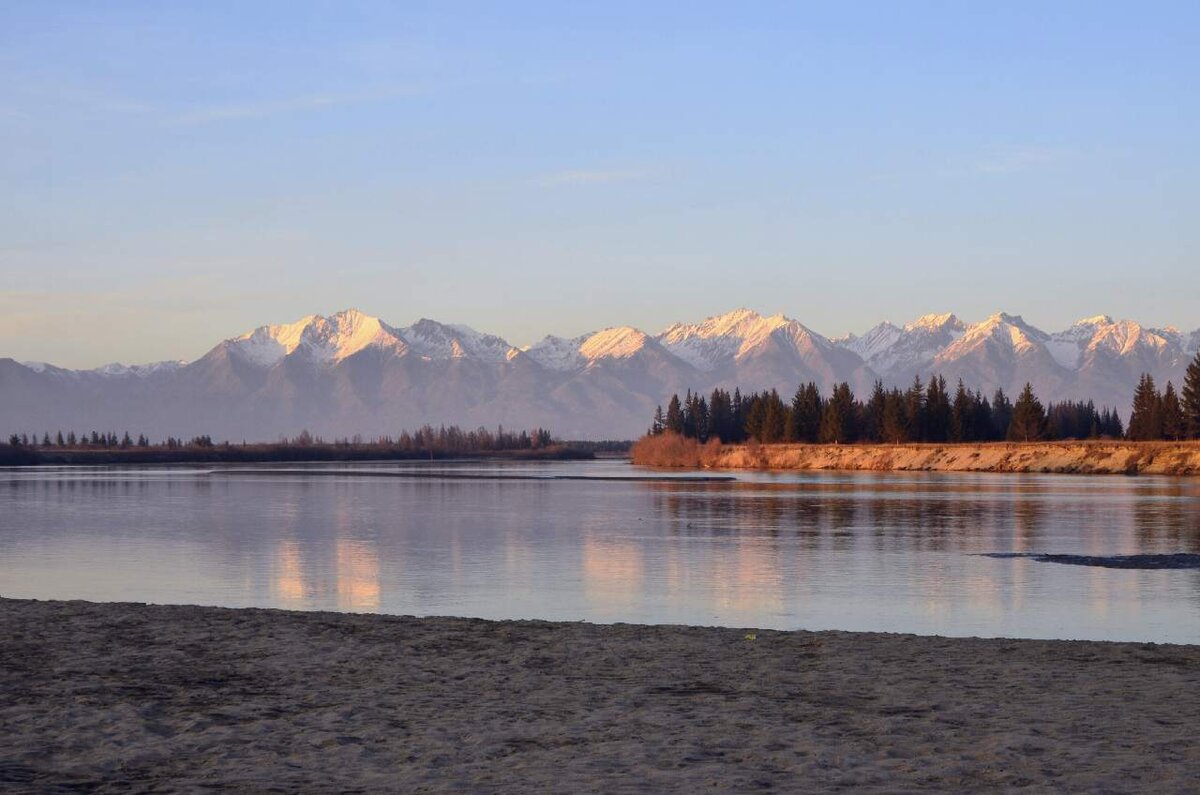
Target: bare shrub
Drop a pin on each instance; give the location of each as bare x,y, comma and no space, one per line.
673,450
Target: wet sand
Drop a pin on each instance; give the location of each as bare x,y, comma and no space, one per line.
120,697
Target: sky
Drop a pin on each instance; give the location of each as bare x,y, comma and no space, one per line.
174,174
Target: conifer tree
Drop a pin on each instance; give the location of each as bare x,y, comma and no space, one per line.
872,420
838,421
894,427
962,419
914,409
659,424
1002,412
981,417
937,410
675,416
1028,417
775,418
1145,421
756,411
719,416
1172,415
807,408
737,410
1191,399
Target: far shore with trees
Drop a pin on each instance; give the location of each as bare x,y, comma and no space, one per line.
927,413
444,442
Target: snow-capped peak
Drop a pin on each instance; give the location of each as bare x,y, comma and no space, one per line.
1007,332
139,370
433,340
873,342
720,338
619,342
935,322
557,353
266,345
341,335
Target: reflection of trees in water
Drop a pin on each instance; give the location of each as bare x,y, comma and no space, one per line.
1170,522
841,519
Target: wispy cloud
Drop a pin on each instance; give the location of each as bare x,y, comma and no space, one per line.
590,177
266,109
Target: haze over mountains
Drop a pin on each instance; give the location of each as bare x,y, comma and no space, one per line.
351,373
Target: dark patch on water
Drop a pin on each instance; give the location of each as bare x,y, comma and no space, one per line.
1180,560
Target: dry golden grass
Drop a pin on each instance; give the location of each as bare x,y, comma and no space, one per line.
1076,457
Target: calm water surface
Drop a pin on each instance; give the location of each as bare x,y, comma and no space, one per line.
872,551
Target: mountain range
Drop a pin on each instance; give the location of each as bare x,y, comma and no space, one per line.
351,373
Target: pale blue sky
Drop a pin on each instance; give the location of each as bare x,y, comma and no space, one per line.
172,175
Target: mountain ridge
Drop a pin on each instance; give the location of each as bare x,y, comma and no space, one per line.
351,372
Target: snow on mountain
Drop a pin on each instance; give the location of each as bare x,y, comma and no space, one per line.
140,370
620,342
875,342
558,353
721,338
267,345
598,385
340,336
1000,334
436,341
1067,346
902,352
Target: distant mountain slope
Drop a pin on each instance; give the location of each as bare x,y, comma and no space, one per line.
352,373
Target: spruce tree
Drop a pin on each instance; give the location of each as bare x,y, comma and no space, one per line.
807,408
775,418
1028,417
937,410
1145,421
1172,415
839,420
675,416
962,410
1191,399
656,427
894,426
872,419
1002,412
914,409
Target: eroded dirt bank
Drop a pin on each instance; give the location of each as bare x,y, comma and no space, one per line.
1089,457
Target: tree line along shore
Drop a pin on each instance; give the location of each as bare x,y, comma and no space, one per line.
926,427
927,413
65,448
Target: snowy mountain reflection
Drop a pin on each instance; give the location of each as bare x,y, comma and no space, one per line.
896,552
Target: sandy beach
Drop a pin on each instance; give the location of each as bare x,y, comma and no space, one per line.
119,697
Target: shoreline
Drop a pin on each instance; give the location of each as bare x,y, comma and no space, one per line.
128,696
1075,458
270,454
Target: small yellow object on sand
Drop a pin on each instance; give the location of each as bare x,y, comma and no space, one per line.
752,636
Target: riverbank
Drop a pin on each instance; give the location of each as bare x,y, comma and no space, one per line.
1080,458
114,697
268,453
